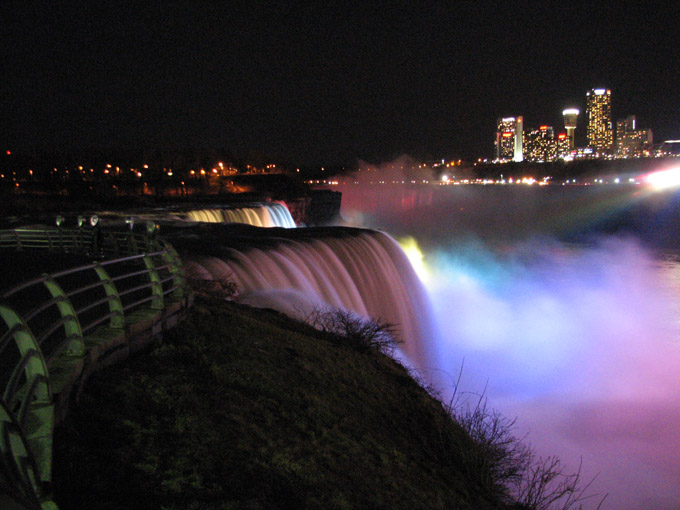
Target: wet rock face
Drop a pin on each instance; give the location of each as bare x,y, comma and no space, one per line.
298,208
324,207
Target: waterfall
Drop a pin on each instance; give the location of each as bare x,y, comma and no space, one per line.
362,271
261,215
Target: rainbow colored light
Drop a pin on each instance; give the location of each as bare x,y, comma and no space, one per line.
664,179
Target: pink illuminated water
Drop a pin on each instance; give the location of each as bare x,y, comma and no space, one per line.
560,304
367,273
565,316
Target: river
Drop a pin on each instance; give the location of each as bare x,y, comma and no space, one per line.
561,304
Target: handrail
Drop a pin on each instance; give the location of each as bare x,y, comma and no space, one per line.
97,242
44,340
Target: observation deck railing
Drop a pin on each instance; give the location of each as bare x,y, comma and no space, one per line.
96,241
58,328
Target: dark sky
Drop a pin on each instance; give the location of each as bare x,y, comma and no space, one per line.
332,83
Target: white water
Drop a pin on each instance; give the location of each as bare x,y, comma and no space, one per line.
266,215
367,273
580,342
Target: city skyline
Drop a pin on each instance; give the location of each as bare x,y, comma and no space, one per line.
605,137
335,83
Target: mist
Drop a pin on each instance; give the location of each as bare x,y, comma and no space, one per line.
580,346
403,168
579,341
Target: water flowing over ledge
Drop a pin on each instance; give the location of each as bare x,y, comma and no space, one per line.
298,271
264,215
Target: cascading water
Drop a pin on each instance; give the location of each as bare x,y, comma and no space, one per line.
578,341
563,304
362,271
266,215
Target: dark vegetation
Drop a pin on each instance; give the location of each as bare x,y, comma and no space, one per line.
245,408
234,411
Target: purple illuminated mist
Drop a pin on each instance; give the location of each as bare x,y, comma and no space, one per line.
560,305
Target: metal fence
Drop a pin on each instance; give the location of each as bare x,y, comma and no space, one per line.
57,327
94,240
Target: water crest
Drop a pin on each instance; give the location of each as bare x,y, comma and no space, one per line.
266,215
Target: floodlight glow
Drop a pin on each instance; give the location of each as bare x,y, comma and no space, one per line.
664,179
415,256
570,111
599,92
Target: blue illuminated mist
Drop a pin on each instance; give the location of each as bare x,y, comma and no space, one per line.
561,307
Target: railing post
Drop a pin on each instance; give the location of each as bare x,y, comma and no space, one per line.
151,231
28,346
37,409
96,243
18,238
20,466
131,241
115,303
156,284
172,258
80,242
59,221
76,346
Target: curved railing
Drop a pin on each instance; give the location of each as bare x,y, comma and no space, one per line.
96,241
60,327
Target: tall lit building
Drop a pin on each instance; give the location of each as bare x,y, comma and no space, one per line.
541,145
564,146
518,155
570,117
599,110
632,142
505,138
509,138
623,127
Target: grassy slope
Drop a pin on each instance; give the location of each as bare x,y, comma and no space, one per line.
243,408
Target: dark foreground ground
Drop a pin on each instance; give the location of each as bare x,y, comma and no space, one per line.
245,409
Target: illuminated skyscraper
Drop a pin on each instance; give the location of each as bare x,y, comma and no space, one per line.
631,142
570,116
599,109
564,146
519,140
509,138
540,145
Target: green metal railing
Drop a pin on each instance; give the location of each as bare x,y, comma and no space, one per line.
57,327
97,241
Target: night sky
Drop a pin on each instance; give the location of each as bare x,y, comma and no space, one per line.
335,83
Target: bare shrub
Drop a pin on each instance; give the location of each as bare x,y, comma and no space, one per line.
514,472
361,332
224,289
545,485
501,462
